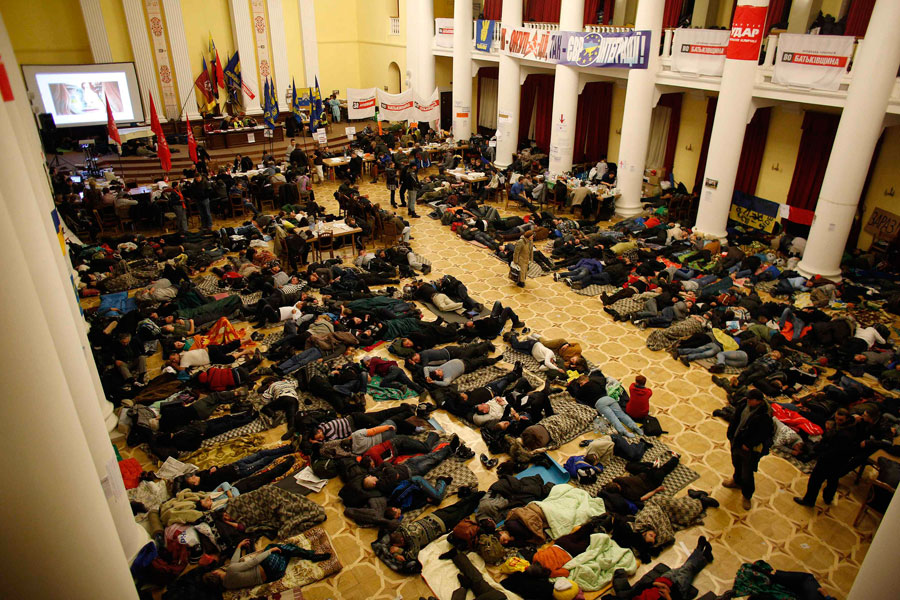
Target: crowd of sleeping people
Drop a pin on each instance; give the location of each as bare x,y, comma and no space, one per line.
373,449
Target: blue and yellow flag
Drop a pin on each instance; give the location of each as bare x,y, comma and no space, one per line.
232,72
295,103
484,35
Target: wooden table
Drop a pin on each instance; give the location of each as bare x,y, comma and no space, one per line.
236,138
469,178
338,229
332,163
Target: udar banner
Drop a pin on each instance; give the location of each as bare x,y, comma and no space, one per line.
361,103
396,107
816,62
699,51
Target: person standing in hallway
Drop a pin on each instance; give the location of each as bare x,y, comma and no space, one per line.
750,432
523,254
411,179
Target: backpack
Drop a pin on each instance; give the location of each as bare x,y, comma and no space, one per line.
407,496
325,468
489,548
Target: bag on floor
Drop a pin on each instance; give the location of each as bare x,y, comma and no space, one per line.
652,427
514,272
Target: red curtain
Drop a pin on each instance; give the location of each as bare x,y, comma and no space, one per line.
858,17
812,158
486,73
704,149
492,9
609,8
774,14
672,13
592,122
590,11
673,101
537,97
752,151
542,11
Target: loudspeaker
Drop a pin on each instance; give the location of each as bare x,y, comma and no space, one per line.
48,132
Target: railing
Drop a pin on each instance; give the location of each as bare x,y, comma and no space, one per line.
606,29
542,26
394,26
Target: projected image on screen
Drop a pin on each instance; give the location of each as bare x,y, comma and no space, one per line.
80,98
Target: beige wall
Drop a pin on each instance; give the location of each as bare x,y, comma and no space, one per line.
47,32
690,138
617,110
782,145
885,177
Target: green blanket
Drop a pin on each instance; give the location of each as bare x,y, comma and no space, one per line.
567,507
383,394
593,569
395,328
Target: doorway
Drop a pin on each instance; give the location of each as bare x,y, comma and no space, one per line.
394,81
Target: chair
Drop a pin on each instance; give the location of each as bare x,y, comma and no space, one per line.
168,217
389,234
106,220
127,221
262,200
506,187
236,204
325,241
878,496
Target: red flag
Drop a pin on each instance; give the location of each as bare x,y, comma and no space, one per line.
220,74
202,83
192,143
162,146
111,130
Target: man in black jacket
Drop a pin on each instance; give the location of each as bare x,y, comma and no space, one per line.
411,181
750,433
201,193
833,454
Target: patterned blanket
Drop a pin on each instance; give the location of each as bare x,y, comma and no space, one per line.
663,339
299,572
595,290
275,512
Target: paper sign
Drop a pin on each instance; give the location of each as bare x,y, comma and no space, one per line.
351,133
251,138
321,137
268,133
492,143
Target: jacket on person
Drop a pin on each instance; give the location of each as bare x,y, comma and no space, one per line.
217,379
756,433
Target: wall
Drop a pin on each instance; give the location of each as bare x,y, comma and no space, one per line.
443,73
690,134
294,41
782,145
886,175
443,9
723,18
337,32
117,31
203,18
47,32
377,50
616,113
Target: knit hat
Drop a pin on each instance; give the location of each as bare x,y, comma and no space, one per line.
565,589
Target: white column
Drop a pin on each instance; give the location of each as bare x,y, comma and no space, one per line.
307,11
878,571
462,69
621,6
419,40
50,274
802,14
700,14
565,96
874,75
509,91
96,30
242,30
730,122
279,51
143,56
639,101
181,61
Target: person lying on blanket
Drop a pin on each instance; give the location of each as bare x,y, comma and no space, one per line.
411,536
211,478
645,481
258,567
341,428
556,355
550,560
444,374
224,492
221,354
670,584
436,356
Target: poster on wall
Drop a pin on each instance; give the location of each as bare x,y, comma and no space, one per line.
443,33
361,103
484,35
396,107
699,51
625,50
816,62
428,109
883,225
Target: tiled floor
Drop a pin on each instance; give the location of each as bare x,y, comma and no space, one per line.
821,540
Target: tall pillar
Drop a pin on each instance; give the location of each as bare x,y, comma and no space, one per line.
419,40
639,101
802,14
874,75
307,11
732,115
509,90
180,59
462,69
565,96
279,51
242,30
96,30
143,56
878,571
31,216
621,6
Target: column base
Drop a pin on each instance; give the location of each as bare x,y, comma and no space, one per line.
807,272
141,539
723,236
109,415
254,111
627,212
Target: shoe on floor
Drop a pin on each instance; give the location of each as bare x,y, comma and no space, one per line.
803,502
745,502
730,484
717,368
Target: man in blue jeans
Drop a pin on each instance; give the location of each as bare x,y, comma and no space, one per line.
686,355
610,410
414,469
672,583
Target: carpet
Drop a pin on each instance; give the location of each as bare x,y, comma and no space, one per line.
254,426
299,572
706,363
678,479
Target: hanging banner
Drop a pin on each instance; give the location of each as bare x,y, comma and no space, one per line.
361,103
261,38
484,35
625,50
746,32
754,212
428,109
699,51
816,62
161,54
396,107
443,33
